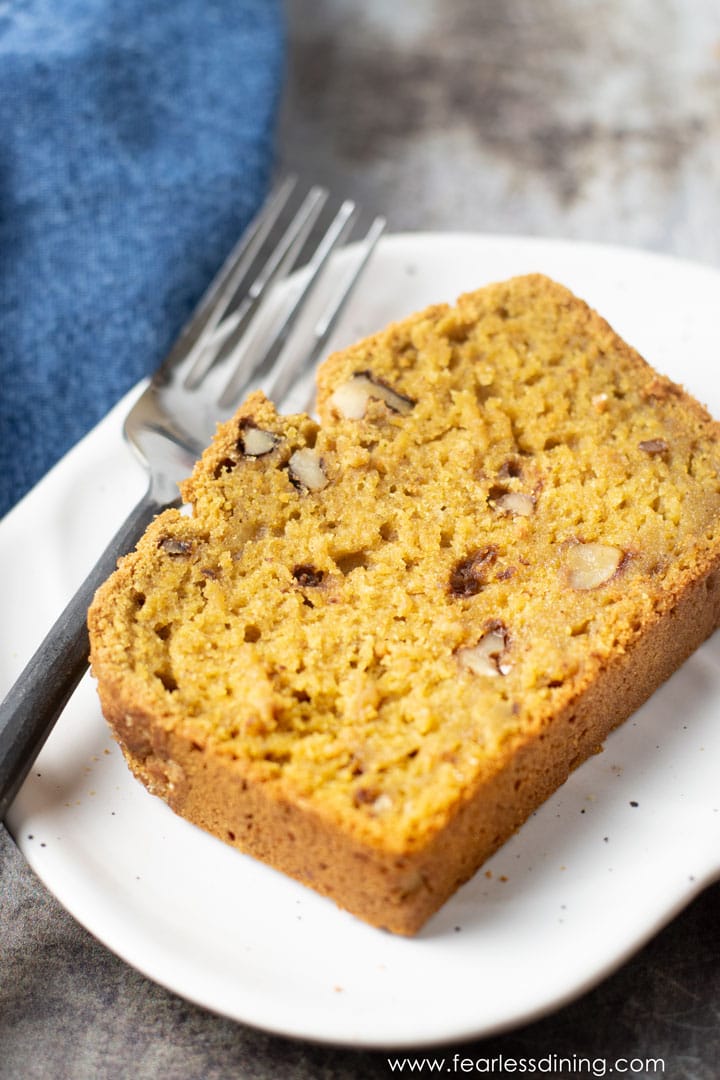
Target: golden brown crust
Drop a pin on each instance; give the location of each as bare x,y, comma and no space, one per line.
579,525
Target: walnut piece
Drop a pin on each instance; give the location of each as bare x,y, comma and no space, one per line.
516,503
255,441
468,576
369,796
306,470
592,565
307,575
653,446
489,656
172,546
350,398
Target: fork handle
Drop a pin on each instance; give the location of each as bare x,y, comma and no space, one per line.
34,703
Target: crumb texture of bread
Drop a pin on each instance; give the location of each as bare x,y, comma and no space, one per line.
380,640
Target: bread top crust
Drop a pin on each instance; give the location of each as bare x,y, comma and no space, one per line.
370,613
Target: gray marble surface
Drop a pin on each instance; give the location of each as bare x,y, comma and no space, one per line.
567,119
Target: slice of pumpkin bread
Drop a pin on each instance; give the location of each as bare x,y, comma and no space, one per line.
379,642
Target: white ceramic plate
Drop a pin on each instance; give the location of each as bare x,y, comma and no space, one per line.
626,843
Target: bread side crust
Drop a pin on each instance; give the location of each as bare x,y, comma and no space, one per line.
400,890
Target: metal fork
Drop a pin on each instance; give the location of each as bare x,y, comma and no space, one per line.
229,345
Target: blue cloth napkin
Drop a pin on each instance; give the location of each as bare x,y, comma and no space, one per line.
136,141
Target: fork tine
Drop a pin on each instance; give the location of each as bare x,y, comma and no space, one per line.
244,370
294,365
224,285
223,289
229,331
